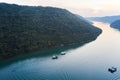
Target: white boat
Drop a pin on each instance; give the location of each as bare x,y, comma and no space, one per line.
62,53
54,57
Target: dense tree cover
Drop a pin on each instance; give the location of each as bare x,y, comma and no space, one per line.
116,24
25,29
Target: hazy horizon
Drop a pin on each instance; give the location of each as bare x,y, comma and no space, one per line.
84,8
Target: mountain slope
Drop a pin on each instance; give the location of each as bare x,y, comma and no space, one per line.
116,24
82,18
25,29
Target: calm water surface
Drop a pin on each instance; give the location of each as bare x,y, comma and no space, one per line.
89,62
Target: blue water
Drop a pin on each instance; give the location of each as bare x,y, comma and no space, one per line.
88,62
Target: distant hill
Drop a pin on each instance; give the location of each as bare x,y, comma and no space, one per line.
106,19
116,24
25,29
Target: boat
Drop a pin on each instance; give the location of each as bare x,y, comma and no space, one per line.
112,70
62,53
54,57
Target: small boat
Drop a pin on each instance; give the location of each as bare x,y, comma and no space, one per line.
54,57
62,53
112,70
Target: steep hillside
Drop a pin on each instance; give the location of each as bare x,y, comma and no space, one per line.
24,29
82,18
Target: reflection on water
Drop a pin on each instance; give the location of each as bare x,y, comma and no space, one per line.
89,62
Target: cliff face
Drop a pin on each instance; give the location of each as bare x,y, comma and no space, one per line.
27,28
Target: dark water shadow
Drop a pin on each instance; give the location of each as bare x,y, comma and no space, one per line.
40,54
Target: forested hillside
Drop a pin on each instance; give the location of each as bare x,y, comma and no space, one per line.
24,29
116,24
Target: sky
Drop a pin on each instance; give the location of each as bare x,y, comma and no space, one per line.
86,8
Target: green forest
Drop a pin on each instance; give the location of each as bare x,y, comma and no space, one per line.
25,29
